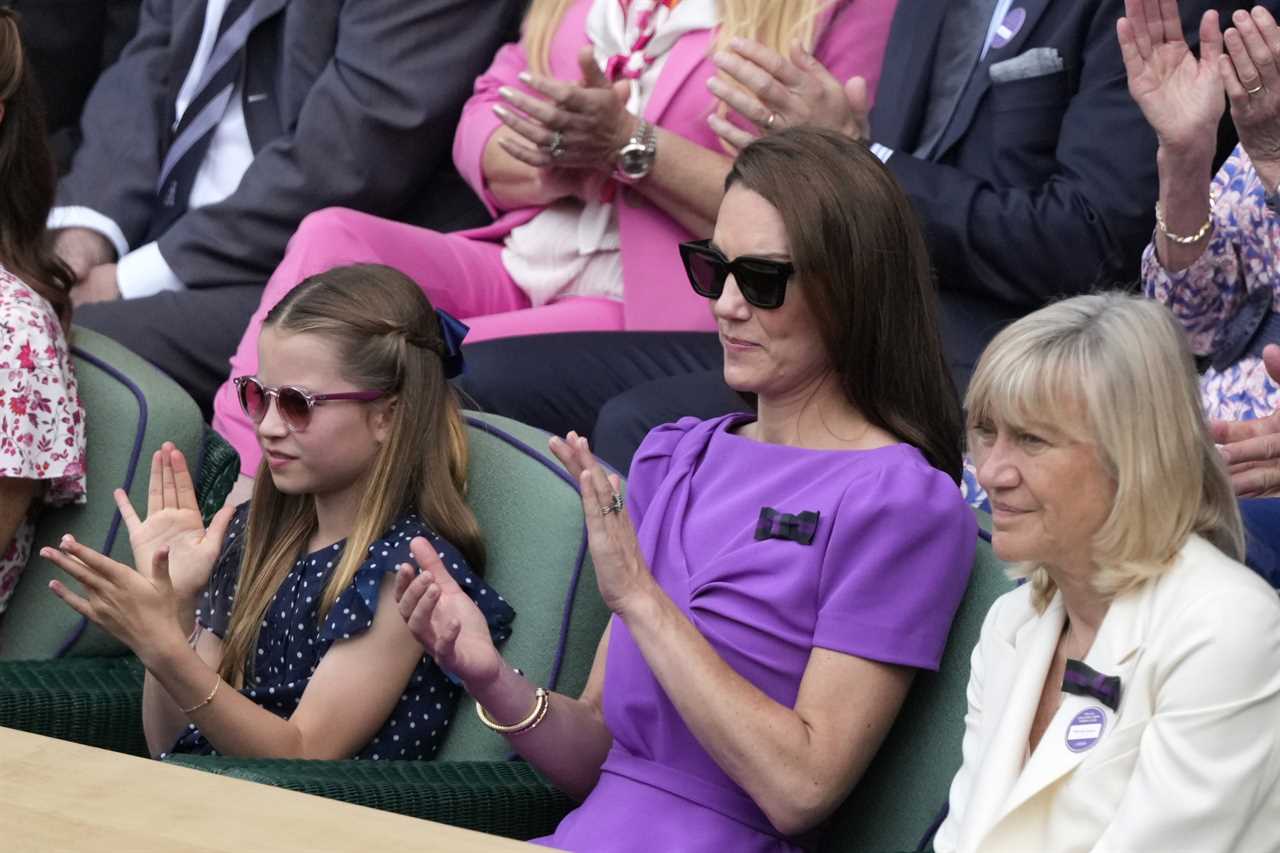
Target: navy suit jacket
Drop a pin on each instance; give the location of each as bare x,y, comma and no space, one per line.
1040,188
350,103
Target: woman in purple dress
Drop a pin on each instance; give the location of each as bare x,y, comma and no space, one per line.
775,579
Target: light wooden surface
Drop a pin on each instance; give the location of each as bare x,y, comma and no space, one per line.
59,796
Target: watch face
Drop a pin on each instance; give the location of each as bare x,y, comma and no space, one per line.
635,160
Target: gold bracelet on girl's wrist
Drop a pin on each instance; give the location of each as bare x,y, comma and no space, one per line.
207,699
541,704
1178,238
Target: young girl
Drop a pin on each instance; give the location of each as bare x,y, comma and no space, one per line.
364,449
41,424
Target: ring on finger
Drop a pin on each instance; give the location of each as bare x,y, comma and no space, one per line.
556,146
770,121
1255,90
615,505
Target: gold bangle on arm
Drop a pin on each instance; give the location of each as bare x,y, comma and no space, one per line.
1178,238
207,699
541,704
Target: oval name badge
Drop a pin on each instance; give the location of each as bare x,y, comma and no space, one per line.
1085,729
1009,28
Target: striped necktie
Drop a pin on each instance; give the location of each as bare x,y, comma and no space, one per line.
213,93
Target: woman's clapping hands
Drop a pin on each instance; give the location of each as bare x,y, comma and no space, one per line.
621,572
568,126
1180,95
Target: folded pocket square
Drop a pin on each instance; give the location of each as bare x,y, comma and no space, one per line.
780,525
1036,62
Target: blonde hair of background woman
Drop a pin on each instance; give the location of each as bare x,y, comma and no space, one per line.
773,23
388,338
1114,371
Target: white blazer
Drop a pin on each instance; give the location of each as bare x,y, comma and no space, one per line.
1191,760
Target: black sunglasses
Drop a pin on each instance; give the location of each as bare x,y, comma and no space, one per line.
762,282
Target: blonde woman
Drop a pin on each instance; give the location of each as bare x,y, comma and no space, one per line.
286,606
1128,696
589,142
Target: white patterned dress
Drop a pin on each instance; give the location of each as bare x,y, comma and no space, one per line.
41,421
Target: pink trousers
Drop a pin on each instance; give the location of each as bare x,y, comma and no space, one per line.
464,277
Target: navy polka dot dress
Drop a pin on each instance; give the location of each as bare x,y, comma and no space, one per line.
293,640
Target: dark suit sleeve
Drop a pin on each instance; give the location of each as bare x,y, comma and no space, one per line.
114,171
1086,225
379,119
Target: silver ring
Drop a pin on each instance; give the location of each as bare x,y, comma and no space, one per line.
616,505
556,147
769,122
1255,90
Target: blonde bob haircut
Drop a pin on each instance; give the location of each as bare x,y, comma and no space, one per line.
773,23
1114,371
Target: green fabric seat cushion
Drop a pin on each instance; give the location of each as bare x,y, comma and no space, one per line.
529,510
907,784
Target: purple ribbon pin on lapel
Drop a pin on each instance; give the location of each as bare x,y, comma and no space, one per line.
1009,28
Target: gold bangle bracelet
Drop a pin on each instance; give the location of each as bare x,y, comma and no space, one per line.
1178,238
541,702
207,699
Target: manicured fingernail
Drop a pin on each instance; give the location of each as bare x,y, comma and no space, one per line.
714,84
525,77
500,110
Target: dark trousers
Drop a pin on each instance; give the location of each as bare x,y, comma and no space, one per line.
190,334
69,43
612,387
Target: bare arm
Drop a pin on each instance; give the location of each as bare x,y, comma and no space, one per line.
1181,96
570,744
798,764
687,182
140,609
16,496
162,718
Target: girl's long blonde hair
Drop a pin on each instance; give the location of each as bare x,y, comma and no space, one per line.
388,338
773,23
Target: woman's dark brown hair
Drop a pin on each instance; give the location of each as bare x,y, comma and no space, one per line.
28,177
861,258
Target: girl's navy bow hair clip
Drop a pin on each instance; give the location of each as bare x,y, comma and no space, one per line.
452,331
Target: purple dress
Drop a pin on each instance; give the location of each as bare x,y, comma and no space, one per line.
881,579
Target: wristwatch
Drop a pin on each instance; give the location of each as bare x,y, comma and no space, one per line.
635,158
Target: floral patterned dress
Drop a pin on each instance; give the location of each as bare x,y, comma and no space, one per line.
41,421
1226,296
